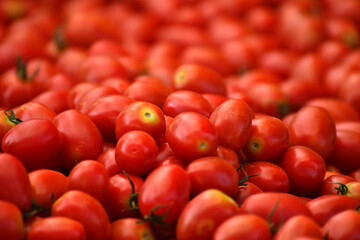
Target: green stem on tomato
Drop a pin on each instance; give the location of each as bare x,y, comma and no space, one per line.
11,116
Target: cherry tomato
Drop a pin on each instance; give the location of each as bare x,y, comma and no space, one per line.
142,116
33,142
315,128
136,152
46,186
162,203
131,229
31,110
191,135
56,227
329,184
11,222
81,138
268,176
324,207
204,213
232,120
229,155
268,138
56,100
212,173
245,190
344,225
278,207
305,169
252,227
107,158
91,177
85,209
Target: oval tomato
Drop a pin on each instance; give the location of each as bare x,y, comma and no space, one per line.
11,222
344,225
131,229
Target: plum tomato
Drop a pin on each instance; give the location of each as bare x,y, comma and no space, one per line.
212,172
11,222
330,183
232,120
191,135
107,158
245,190
313,127
85,209
229,155
164,194
131,228
268,176
267,140
253,227
344,225
143,116
305,169
56,227
136,152
204,213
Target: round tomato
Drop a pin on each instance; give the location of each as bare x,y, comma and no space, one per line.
107,158
344,225
11,222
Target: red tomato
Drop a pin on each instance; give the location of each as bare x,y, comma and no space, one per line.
131,229
330,183
107,158
229,155
91,177
56,227
186,101
212,173
15,182
46,186
191,135
163,203
33,142
123,194
56,100
269,176
141,116
344,225
325,207
214,99
77,91
315,128
305,169
7,121
283,205
11,222
232,120
77,129
136,152
204,213
31,110
198,78
148,89
252,227
268,138
245,190
104,113
85,209
299,226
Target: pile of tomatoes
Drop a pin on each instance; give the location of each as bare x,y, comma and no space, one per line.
180,119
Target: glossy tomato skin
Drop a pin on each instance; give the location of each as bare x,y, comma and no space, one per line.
107,158
46,186
325,207
12,225
119,203
204,213
315,128
142,116
305,169
192,135
104,113
286,206
91,177
136,152
229,155
268,138
31,110
168,198
84,208
344,225
56,228
198,78
131,229
15,182
33,148
330,183
212,173
180,101
245,190
270,177
77,129
232,120
299,226
253,228
5,124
